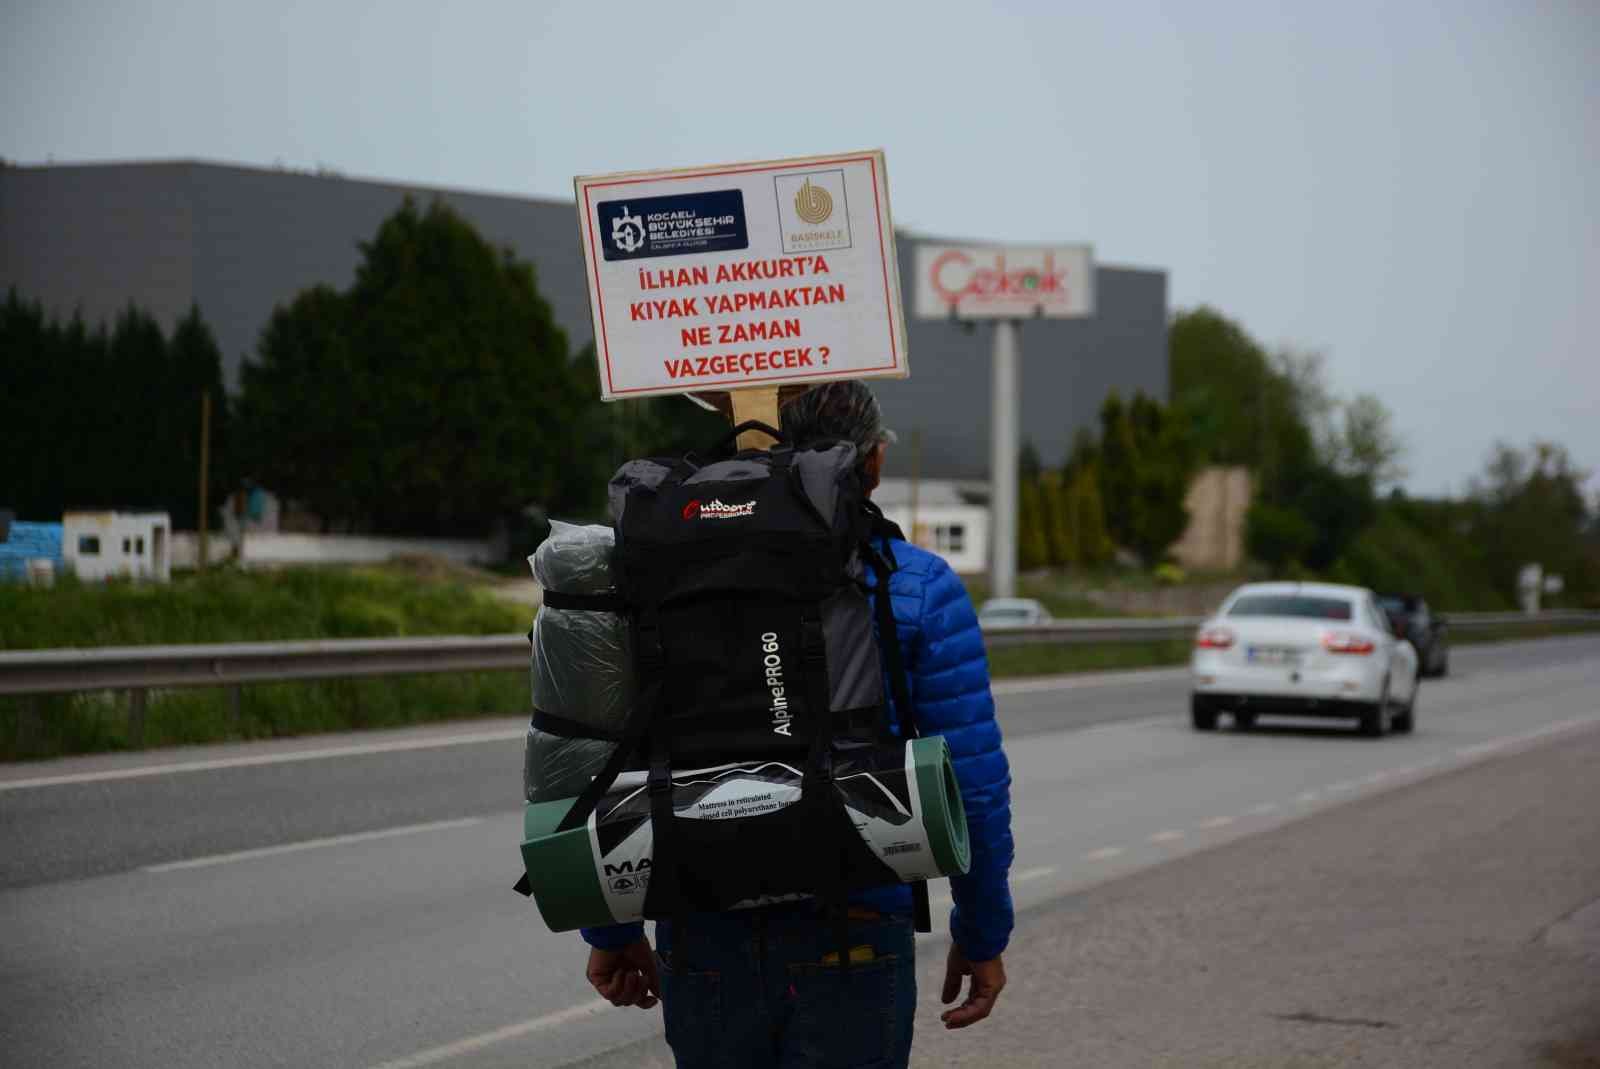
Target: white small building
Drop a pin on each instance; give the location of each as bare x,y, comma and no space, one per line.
946,517
109,545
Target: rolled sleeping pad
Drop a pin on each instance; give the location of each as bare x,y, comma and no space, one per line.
906,806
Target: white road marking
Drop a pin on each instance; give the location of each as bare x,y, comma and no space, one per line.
462,1047
1102,854
1263,808
1034,874
1308,797
1169,835
1339,787
143,771
1216,822
311,844
1376,777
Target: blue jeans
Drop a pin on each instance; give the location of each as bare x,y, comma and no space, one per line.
762,989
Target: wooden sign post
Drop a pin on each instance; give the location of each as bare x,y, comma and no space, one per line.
758,403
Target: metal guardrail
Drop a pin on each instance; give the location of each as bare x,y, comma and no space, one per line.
137,669
1169,628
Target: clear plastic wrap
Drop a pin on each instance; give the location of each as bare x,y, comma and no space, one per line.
555,766
582,659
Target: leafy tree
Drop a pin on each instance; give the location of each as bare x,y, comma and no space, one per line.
1367,443
1032,549
1085,453
1243,405
1119,461
1089,518
1532,508
1028,464
1276,536
107,420
435,396
1056,515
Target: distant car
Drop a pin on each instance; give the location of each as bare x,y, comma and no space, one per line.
1000,613
1303,649
1426,630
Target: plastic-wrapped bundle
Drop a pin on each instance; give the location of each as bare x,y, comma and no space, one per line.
582,658
559,766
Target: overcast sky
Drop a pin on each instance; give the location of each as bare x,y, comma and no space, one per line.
1407,187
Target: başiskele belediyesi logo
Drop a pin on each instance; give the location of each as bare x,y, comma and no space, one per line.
676,225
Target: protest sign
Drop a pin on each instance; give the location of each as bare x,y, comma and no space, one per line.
741,276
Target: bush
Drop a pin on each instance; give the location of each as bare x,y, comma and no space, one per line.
1277,536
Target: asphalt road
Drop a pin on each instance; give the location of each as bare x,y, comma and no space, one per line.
254,905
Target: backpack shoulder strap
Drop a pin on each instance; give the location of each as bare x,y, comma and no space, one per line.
884,565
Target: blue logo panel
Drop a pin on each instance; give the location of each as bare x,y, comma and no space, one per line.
673,226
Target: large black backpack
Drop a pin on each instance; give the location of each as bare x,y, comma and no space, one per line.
743,577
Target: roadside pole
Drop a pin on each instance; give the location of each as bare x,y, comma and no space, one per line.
965,283
1003,433
205,470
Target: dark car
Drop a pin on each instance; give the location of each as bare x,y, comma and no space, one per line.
1423,628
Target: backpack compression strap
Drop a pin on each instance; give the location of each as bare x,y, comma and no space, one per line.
555,599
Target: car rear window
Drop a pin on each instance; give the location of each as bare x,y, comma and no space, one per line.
1300,605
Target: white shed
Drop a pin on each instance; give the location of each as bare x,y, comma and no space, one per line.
946,520
107,545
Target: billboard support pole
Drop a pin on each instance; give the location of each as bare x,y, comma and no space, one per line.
1003,430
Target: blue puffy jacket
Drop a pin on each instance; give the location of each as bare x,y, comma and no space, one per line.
949,682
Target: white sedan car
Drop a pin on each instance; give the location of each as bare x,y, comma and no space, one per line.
1303,649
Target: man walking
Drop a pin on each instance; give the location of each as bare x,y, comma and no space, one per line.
762,987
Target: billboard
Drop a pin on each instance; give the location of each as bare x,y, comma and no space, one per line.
742,275
1004,282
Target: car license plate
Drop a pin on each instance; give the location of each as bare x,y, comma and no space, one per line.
1272,655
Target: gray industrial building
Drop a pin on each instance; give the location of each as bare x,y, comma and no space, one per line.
237,240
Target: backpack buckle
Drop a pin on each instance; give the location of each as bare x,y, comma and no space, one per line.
660,779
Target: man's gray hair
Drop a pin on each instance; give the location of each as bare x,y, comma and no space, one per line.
844,409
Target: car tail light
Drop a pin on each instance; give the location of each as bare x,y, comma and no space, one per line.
1346,642
1214,638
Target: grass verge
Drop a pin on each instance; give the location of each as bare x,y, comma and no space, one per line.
234,606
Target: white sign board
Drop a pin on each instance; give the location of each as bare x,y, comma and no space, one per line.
1011,282
742,275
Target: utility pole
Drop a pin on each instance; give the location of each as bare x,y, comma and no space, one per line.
205,470
1003,434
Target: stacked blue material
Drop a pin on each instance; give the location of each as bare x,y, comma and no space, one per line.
27,541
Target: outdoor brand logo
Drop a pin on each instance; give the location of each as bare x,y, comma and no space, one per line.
677,225
627,231
772,669
718,510
813,203
813,210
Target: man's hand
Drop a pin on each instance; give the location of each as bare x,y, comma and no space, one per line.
626,977
988,980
